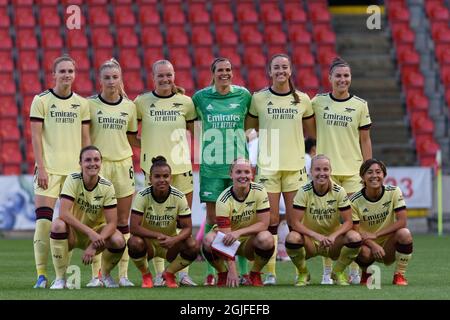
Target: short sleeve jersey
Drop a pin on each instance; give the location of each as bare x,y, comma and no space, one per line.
110,124
161,216
376,215
61,131
88,205
338,123
164,129
240,214
322,212
281,141
223,136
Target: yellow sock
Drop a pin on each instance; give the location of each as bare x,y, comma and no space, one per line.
262,257
297,256
402,262
96,265
178,264
158,264
110,258
271,265
327,263
347,256
123,263
141,263
41,245
60,256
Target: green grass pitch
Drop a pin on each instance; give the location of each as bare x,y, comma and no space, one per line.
427,275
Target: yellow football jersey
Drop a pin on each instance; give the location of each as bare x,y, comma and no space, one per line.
110,123
376,215
337,124
240,214
161,216
322,212
88,205
281,142
164,129
61,132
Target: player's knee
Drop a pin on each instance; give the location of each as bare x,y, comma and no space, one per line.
58,226
365,255
136,244
116,241
192,247
404,236
294,237
353,237
264,240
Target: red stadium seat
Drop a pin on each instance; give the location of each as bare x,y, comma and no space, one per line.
148,15
100,56
26,106
203,57
238,79
413,79
274,34
4,18
81,59
402,33
201,36
6,62
426,145
24,17
51,38
293,12
184,79
275,49
30,83
7,84
445,75
83,84
249,34
133,82
28,61
8,107
323,34
9,131
407,56
246,13
257,79
197,14
303,58
442,51
49,17
319,13
129,59
225,35
400,13
427,161
124,16
173,14
253,57
176,36
76,39
45,3
204,77
98,16
127,38
307,81
447,96
421,124
179,56
297,33
151,55
151,36
222,14
6,43
326,54
416,100
26,39
270,13
102,38
231,54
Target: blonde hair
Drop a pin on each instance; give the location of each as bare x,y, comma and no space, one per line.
320,157
291,84
113,63
175,88
239,160
64,57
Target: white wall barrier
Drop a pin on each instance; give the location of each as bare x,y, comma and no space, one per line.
17,206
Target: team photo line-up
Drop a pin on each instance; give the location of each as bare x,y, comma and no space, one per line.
332,189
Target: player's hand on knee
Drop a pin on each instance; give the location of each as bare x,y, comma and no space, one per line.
88,255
